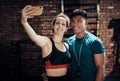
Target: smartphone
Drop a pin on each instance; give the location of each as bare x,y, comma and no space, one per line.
37,11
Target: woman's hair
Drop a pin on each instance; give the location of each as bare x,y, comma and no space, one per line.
63,16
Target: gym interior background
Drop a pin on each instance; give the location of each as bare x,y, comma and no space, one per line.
20,58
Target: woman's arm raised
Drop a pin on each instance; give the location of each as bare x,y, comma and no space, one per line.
38,39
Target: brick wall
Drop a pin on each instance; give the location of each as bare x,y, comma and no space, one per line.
109,30
19,56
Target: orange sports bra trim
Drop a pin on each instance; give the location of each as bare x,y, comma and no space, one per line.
50,66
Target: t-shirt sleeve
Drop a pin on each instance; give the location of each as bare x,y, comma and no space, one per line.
98,47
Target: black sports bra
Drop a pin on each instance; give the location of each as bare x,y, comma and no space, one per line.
57,57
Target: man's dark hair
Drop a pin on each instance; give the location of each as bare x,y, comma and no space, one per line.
79,12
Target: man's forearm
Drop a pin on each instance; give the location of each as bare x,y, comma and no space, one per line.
100,74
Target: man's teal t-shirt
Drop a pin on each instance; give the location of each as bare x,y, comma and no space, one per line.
90,45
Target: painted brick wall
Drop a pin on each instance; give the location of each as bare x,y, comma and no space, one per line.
19,56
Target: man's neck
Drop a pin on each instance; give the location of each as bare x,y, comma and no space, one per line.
81,34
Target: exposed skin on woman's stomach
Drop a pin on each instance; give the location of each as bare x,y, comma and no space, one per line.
56,72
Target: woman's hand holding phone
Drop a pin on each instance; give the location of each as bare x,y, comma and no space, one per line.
31,11
37,11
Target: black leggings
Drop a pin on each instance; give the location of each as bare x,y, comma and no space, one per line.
61,78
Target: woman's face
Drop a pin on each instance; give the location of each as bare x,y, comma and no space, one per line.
60,25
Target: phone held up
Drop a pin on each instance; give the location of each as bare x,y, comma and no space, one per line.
37,11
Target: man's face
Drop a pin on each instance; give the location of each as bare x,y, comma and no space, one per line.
78,24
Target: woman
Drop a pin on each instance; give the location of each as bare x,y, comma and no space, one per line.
54,52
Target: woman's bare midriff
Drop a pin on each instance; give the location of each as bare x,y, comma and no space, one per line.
56,72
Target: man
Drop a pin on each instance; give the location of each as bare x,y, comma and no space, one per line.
87,50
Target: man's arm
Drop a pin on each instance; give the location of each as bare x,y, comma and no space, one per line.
100,65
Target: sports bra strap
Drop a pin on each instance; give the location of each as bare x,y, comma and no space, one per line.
67,50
